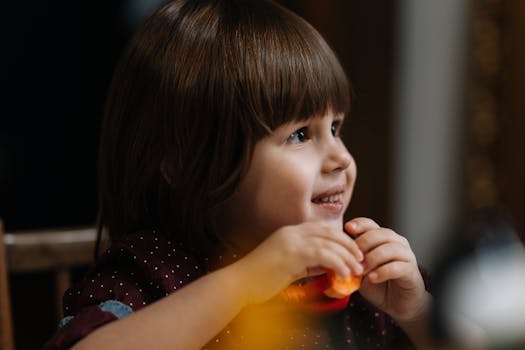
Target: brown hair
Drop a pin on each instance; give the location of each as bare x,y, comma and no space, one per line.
200,83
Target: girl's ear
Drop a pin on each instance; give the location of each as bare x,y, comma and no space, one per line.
166,170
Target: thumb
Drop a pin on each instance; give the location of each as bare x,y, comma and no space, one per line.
352,228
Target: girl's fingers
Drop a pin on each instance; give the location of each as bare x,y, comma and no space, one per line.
392,271
351,246
341,238
354,267
323,245
376,237
359,225
327,258
387,253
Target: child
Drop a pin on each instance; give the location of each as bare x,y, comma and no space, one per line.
223,179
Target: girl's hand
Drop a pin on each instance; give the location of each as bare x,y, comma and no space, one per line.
294,252
392,281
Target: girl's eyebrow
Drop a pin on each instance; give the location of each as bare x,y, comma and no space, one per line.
340,116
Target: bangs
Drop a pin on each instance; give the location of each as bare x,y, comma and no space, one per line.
200,83
286,71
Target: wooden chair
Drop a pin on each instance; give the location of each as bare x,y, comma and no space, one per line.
6,324
58,251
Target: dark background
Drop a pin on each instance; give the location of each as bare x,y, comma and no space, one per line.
59,55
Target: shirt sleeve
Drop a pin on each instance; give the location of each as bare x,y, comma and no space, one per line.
133,273
102,297
79,326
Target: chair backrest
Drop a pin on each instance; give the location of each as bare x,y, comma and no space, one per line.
6,323
32,251
58,251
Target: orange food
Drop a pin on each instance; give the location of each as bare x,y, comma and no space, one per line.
341,287
294,294
322,294
307,291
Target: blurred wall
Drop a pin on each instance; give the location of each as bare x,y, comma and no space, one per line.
428,123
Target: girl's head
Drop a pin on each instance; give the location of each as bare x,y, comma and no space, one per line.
201,83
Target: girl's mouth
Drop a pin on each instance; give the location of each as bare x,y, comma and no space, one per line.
331,201
334,198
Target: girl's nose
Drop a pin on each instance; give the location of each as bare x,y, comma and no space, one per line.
338,158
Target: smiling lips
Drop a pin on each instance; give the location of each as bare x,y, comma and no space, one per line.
328,199
331,200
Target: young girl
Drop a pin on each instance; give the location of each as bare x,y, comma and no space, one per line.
223,180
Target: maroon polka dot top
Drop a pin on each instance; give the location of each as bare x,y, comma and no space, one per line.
146,266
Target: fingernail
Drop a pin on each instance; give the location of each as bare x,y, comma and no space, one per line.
373,275
359,269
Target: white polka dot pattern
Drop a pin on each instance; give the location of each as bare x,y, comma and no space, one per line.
145,267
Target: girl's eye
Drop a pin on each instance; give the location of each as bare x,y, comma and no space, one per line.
298,136
335,128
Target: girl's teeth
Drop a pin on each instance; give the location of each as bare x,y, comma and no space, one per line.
332,198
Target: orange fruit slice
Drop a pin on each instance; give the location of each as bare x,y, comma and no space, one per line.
307,291
340,287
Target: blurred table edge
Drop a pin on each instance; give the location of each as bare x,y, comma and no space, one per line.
38,250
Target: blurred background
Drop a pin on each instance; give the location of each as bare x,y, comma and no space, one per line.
437,126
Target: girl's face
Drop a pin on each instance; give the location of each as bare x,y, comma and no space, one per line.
302,172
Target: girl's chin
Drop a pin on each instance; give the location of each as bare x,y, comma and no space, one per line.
335,222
